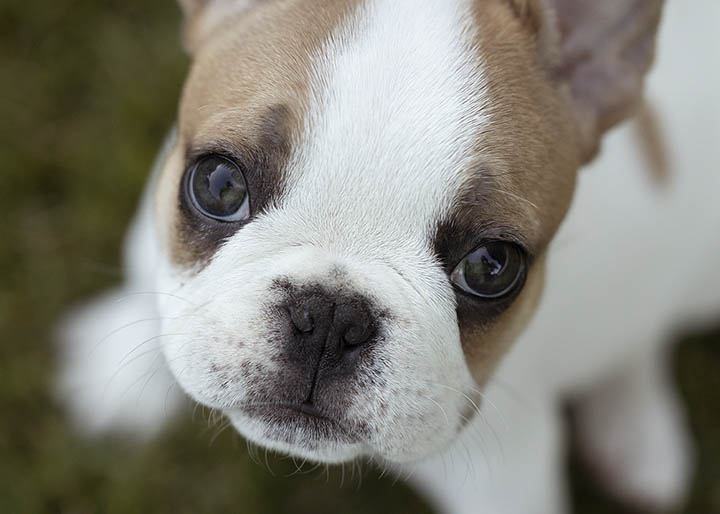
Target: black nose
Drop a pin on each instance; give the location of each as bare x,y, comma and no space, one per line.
331,324
325,335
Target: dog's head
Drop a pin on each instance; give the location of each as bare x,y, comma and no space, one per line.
358,202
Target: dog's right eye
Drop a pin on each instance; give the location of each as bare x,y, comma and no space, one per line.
217,188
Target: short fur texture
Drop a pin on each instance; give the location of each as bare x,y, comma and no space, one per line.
382,141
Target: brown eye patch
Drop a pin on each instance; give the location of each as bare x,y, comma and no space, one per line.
460,240
248,90
248,174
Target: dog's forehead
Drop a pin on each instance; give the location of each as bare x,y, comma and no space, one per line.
387,114
388,135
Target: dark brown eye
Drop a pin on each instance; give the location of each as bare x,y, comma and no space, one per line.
492,271
217,188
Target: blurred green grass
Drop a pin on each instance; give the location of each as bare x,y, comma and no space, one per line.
87,90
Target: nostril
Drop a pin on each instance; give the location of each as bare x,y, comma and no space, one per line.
357,334
353,322
302,319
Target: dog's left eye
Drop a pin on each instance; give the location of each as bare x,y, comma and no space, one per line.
217,188
492,271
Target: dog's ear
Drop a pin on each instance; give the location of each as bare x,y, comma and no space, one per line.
202,16
606,48
599,51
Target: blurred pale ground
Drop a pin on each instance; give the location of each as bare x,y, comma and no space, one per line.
87,89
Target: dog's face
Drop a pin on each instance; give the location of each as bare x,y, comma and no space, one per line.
356,210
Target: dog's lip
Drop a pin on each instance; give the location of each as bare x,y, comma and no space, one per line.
303,416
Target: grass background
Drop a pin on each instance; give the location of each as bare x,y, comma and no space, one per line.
87,90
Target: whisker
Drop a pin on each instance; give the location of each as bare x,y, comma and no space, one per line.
124,360
222,428
142,320
314,468
513,393
170,388
267,463
156,293
360,476
194,412
151,371
124,365
479,412
298,468
115,331
142,390
481,443
251,452
383,472
485,398
447,420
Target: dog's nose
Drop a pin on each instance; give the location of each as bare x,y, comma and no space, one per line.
335,324
326,335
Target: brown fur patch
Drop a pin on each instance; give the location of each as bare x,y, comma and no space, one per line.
262,159
524,180
528,156
543,126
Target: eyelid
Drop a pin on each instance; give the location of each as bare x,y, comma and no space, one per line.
490,235
242,155
491,232
195,156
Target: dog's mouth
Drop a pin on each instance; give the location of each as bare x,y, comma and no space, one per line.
301,424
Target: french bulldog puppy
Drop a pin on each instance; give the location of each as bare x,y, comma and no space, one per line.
356,219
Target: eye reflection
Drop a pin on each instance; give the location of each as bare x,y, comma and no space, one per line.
492,271
218,190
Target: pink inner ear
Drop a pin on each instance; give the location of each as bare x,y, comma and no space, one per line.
606,48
